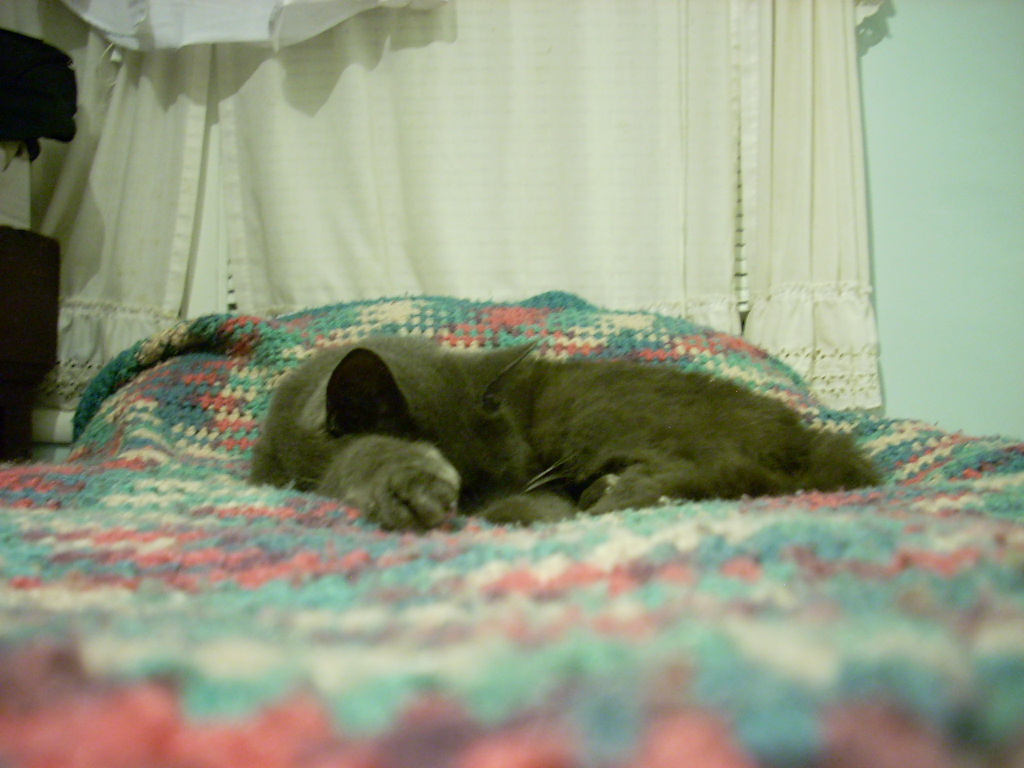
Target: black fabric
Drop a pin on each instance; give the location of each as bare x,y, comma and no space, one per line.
38,94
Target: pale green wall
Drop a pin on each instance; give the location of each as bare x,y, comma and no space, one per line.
944,125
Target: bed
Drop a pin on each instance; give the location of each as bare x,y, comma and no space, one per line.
157,610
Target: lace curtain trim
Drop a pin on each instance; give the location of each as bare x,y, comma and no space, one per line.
826,333
814,292
91,334
846,378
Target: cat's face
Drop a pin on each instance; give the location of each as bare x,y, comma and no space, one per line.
411,388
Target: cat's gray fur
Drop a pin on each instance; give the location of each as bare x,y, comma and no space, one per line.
409,432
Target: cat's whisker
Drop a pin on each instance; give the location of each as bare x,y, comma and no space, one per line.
546,476
539,482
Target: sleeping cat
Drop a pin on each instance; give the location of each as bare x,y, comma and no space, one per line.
409,433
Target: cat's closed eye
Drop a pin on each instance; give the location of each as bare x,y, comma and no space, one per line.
491,401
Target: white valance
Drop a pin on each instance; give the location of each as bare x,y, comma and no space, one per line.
155,24
159,24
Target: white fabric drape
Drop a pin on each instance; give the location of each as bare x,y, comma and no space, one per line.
124,208
804,201
493,148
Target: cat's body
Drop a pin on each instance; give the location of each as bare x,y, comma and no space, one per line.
408,432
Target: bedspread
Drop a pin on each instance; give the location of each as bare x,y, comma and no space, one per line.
157,610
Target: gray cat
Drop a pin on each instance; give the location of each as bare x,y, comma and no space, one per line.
410,433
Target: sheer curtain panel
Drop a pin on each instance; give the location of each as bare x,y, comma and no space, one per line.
488,149
124,208
804,199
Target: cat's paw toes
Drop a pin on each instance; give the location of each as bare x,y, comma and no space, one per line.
418,499
633,489
395,484
597,490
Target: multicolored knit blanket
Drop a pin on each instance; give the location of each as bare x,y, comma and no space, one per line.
156,610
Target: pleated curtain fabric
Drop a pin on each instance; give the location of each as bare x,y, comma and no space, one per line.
804,197
124,207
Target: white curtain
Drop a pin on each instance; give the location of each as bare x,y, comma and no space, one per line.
486,148
804,199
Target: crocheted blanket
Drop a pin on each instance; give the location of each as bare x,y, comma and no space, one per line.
156,610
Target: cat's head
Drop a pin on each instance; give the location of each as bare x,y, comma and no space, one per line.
414,389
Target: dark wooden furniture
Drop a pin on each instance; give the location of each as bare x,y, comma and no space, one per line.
29,286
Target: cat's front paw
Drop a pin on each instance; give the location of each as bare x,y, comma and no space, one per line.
635,487
597,490
395,483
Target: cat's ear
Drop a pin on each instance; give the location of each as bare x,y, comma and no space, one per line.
506,361
363,396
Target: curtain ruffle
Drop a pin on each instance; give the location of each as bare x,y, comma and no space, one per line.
827,334
90,334
714,311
